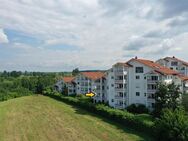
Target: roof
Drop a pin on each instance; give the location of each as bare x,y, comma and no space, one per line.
183,77
157,67
93,75
68,79
176,59
122,64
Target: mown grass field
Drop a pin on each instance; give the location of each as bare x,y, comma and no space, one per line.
40,118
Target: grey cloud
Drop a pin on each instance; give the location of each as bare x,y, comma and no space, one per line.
174,8
155,34
178,22
113,7
138,43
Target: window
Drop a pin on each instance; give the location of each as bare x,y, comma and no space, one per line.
112,85
121,94
171,68
112,77
102,87
152,105
154,77
120,77
183,68
137,93
112,100
152,86
137,77
174,63
145,94
139,69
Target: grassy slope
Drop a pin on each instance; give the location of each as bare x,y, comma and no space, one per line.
40,118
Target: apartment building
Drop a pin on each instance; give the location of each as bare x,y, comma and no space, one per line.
67,85
92,82
174,64
143,78
135,82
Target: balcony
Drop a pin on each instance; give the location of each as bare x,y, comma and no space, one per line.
150,99
118,97
153,91
120,81
150,81
119,106
119,89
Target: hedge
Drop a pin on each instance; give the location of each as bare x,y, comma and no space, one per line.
142,122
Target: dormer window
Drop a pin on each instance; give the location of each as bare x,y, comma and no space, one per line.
174,63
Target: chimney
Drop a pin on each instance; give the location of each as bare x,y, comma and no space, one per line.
136,57
173,57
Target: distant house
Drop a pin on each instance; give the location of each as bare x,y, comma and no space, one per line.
91,82
66,85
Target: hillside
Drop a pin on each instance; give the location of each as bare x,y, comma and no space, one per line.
40,118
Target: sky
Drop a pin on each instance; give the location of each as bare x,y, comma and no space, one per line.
60,35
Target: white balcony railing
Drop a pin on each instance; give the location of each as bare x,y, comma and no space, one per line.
118,97
120,81
151,91
152,81
119,106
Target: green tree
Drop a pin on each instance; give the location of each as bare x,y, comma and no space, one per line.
172,125
75,71
167,96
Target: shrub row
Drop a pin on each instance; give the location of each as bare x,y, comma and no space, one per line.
141,122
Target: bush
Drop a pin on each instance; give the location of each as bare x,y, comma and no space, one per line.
137,109
172,126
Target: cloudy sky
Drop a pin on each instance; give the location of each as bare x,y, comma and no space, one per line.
59,35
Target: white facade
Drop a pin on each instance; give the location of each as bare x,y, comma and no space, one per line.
136,83
117,86
85,84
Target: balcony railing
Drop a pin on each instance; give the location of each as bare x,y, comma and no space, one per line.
119,106
152,81
119,89
118,97
120,81
151,100
151,91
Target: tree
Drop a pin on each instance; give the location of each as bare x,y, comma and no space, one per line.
167,96
75,71
172,125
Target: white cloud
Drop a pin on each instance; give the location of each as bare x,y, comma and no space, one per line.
3,37
100,28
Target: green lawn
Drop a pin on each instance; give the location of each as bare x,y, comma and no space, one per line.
40,118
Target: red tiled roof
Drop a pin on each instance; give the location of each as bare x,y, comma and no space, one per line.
68,79
122,64
93,75
176,59
183,77
156,67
